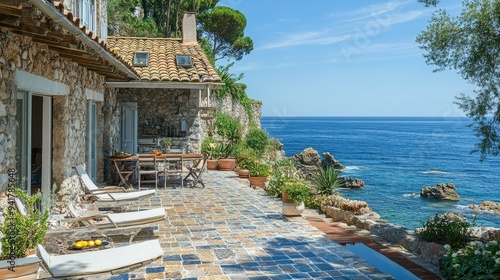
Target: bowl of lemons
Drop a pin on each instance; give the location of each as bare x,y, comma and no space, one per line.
86,244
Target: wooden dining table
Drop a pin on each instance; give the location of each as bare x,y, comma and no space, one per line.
123,167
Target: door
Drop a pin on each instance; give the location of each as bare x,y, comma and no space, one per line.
34,142
129,128
92,140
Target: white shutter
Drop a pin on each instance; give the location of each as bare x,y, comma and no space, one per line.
87,12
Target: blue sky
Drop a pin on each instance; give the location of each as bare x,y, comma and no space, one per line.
344,58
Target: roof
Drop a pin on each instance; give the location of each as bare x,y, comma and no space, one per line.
162,66
26,20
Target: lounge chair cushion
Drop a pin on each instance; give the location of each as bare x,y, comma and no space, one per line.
137,217
100,261
124,196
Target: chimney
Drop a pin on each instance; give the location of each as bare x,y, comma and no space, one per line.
189,29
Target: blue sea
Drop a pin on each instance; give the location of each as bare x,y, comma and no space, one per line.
396,157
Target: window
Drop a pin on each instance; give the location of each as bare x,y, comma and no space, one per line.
183,60
103,30
87,14
141,59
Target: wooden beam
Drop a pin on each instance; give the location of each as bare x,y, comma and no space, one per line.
10,10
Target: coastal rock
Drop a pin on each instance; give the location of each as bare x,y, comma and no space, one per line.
308,162
353,183
487,206
441,191
330,161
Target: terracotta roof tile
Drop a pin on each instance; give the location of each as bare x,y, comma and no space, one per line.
162,66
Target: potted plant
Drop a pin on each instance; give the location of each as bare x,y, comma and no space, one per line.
209,147
229,129
293,195
21,234
166,144
259,173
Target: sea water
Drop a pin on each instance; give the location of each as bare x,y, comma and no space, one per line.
398,156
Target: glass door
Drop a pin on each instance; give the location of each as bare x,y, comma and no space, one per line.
91,140
23,143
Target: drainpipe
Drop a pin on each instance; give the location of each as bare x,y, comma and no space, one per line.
51,11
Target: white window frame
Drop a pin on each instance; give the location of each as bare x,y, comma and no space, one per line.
87,14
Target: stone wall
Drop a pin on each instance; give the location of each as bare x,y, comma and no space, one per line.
69,111
429,251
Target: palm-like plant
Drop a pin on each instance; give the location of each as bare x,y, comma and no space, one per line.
327,180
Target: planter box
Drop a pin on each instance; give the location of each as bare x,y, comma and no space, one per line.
257,182
227,164
25,269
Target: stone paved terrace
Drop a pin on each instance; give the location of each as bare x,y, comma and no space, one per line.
231,231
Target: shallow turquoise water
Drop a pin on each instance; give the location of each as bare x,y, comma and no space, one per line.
396,157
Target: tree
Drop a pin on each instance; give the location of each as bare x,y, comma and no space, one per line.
470,44
224,28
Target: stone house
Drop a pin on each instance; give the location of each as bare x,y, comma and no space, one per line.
70,95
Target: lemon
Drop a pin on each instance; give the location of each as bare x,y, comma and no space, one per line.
91,243
98,242
78,245
84,243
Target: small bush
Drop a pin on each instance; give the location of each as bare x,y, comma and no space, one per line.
448,228
283,171
257,139
327,180
476,261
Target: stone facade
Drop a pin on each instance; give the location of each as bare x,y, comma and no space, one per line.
69,110
228,105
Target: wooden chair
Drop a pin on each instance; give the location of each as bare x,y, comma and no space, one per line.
196,171
147,170
172,171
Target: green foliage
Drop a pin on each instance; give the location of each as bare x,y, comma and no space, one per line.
448,228
428,3
476,261
257,139
29,229
211,147
284,171
224,27
327,180
297,191
228,128
469,44
245,156
259,169
166,143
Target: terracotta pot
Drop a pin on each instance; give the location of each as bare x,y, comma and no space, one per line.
284,198
227,164
257,182
244,173
237,169
26,269
211,164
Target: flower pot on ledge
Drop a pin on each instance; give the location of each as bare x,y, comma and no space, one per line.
25,269
227,164
257,182
289,207
211,164
244,173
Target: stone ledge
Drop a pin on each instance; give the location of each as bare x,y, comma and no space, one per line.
428,251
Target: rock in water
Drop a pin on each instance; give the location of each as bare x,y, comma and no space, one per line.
487,206
308,162
330,161
353,183
441,191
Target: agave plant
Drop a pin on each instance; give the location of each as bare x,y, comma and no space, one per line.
327,180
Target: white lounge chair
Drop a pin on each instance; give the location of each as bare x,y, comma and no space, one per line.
101,261
126,222
110,194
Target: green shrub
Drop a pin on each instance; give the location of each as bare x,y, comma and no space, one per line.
476,261
283,171
297,191
211,147
228,128
257,139
327,180
448,228
259,169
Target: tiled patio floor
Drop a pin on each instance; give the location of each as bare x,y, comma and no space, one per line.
231,231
